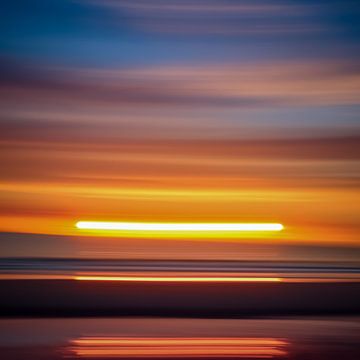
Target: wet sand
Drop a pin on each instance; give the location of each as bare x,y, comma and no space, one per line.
98,298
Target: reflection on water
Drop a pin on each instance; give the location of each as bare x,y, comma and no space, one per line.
105,347
296,338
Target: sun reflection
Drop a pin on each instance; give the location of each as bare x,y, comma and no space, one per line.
106,347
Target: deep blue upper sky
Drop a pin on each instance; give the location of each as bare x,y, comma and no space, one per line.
238,65
114,32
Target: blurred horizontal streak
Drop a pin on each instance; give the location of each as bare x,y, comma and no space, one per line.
175,279
305,338
94,340
214,17
34,277
176,230
62,141
194,278
178,347
203,6
180,194
254,85
319,280
259,353
136,226
68,269
341,234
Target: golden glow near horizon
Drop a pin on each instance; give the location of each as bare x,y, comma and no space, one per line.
177,279
192,230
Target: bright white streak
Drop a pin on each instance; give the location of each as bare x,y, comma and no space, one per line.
142,226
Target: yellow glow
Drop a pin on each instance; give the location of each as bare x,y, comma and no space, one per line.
177,279
178,227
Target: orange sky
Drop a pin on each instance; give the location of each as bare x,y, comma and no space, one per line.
305,185
228,113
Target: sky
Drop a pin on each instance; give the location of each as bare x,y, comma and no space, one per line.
179,111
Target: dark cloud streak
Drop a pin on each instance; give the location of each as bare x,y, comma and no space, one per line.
235,86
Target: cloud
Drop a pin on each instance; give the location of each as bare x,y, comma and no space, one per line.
309,83
216,17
